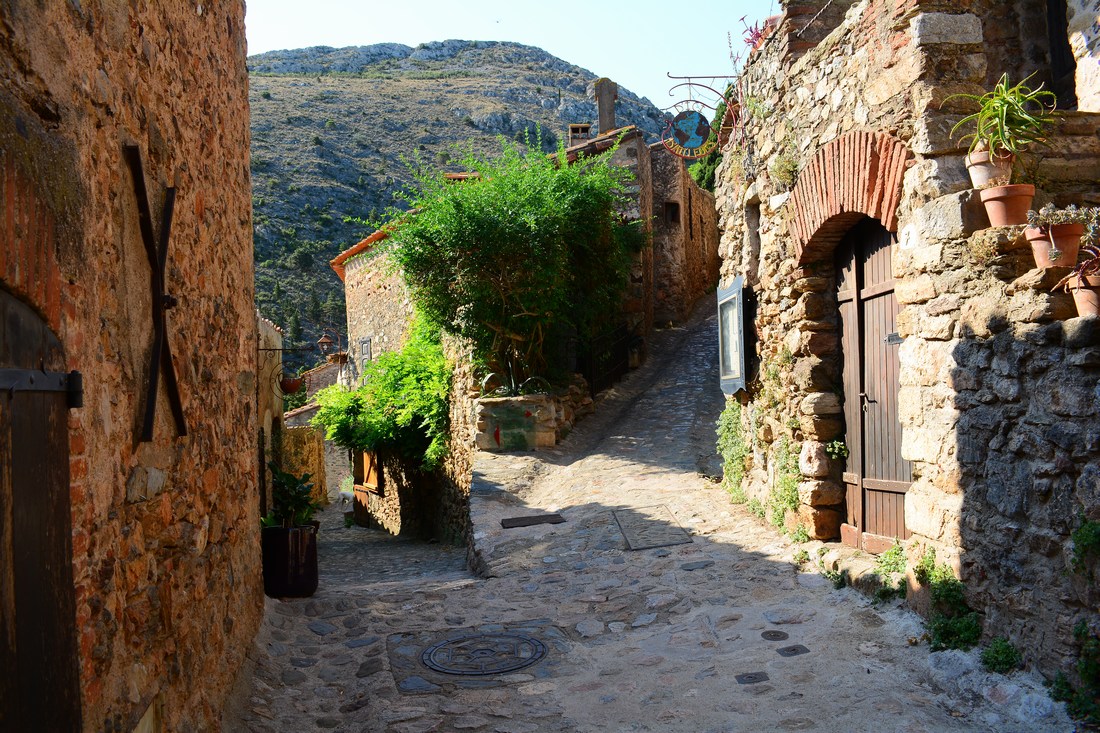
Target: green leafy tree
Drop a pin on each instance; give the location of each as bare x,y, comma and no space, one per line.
313,307
333,309
402,405
294,328
526,246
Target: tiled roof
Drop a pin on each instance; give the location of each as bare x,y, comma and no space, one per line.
338,263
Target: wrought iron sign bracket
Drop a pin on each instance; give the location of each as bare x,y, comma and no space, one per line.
157,252
37,380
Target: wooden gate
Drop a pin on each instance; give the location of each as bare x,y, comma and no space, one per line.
39,684
876,477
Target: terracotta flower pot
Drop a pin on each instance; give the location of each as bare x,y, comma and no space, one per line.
290,385
1007,205
1087,297
1065,239
985,169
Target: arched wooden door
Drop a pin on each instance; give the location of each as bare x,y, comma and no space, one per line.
39,685
875,477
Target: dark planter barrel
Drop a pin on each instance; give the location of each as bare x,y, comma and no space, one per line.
290,561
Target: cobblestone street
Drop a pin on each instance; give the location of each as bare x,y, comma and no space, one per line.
633,640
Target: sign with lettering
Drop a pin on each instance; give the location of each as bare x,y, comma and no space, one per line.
689,135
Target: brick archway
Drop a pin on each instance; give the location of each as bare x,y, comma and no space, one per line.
858,174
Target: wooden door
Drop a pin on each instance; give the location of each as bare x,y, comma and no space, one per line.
39,685
876,477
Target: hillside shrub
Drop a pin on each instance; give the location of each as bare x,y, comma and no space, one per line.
525,249
401,405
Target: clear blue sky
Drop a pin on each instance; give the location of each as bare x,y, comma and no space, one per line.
633,43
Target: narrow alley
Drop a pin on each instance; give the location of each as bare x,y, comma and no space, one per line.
708,626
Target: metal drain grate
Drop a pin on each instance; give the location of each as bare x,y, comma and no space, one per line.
774,635
751,678
484,654
792,651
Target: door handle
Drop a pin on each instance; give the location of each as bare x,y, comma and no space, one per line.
864,400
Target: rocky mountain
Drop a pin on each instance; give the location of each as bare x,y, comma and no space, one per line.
331,127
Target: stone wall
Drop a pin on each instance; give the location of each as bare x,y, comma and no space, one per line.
1003,455
337,460
454,515
1084,38
633,155
304,452
324,375
685,238
378,308
165,533
530,422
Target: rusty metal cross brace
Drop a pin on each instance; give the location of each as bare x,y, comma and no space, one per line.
157,251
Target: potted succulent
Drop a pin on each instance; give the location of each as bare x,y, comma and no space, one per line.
1084,281
289,537
1008,120
1055,234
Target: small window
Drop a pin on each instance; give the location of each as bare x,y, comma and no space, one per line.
365,355
672,212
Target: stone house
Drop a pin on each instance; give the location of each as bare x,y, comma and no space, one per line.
130,582
685,238
884,313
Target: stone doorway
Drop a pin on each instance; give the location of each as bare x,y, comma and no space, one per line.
875,476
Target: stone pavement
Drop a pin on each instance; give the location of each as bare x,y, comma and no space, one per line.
647,640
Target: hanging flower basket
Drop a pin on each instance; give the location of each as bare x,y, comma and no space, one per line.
290,385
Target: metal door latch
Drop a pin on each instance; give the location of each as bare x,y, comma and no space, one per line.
37,380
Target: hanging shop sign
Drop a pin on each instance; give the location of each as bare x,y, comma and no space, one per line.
689,133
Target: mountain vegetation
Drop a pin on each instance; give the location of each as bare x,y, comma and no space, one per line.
331,129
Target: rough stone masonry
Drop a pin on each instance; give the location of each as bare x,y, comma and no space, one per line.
849,118
165,532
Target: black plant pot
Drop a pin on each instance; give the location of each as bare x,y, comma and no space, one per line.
290,561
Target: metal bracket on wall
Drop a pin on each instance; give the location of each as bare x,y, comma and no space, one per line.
37,380
157,252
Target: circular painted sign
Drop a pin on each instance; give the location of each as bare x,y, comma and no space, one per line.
689,135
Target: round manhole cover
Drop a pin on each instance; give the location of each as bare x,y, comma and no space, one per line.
774,635
482,654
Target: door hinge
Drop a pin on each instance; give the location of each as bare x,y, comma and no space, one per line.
893,338
38,380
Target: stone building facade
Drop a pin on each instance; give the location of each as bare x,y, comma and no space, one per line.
887,315
147,589
685,238
379,313
379,309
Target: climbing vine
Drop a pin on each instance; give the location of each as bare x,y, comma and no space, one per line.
401,406
732,448
784,494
